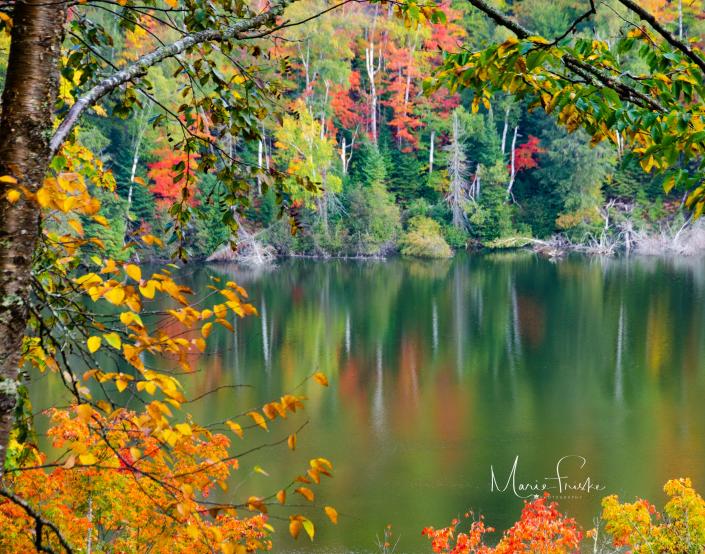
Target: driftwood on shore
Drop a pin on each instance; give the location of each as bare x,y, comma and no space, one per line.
246,250
683,239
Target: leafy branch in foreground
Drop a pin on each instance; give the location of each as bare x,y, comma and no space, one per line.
133,470
589,83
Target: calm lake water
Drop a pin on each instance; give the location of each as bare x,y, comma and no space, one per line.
441,371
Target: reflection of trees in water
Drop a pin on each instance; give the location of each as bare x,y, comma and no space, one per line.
500,315
474,360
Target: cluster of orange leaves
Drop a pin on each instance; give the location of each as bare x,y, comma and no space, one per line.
129,480
540,529
637,527
127,493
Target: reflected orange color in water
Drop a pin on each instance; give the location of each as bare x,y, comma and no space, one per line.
439,371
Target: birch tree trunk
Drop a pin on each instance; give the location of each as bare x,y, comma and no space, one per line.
371,72
457,173
512,163
28,100
431,153
504,131
136,150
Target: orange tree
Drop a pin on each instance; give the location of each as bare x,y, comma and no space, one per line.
132,471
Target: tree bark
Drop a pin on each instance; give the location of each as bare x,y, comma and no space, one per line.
28,100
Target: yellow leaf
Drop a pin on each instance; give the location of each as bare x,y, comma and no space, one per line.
121,383
230,548
113,339
8,179
84,411
101,220
291,441
115,295
129,318
93,344
225,323
87,459
332,514
258,419
235,428
134,272
184,429
200,344
306,493
308,527
258,469
13,195
648,163
270,410
148,290
281,496
206,329
151,240
255,504
321,379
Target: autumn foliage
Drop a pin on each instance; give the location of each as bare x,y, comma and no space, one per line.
137,478
636,527
541,529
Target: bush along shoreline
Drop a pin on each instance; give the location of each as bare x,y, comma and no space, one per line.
423,232
624,527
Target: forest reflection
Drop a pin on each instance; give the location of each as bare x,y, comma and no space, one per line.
468,363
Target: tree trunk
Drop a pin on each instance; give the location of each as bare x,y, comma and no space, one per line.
512,163
370,64
430,152
25,130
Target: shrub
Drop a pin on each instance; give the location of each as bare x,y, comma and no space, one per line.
424,239
540,529
457,238
373,220
636,527
639,527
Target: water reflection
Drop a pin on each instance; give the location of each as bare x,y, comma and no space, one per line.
439,370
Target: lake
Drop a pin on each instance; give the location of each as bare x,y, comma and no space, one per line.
444,372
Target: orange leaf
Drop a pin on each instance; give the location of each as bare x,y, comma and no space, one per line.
321,379
295,528
332,514
306,493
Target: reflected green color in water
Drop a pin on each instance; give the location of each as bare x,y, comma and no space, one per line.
440,370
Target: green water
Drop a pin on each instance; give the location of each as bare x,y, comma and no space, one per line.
439,371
